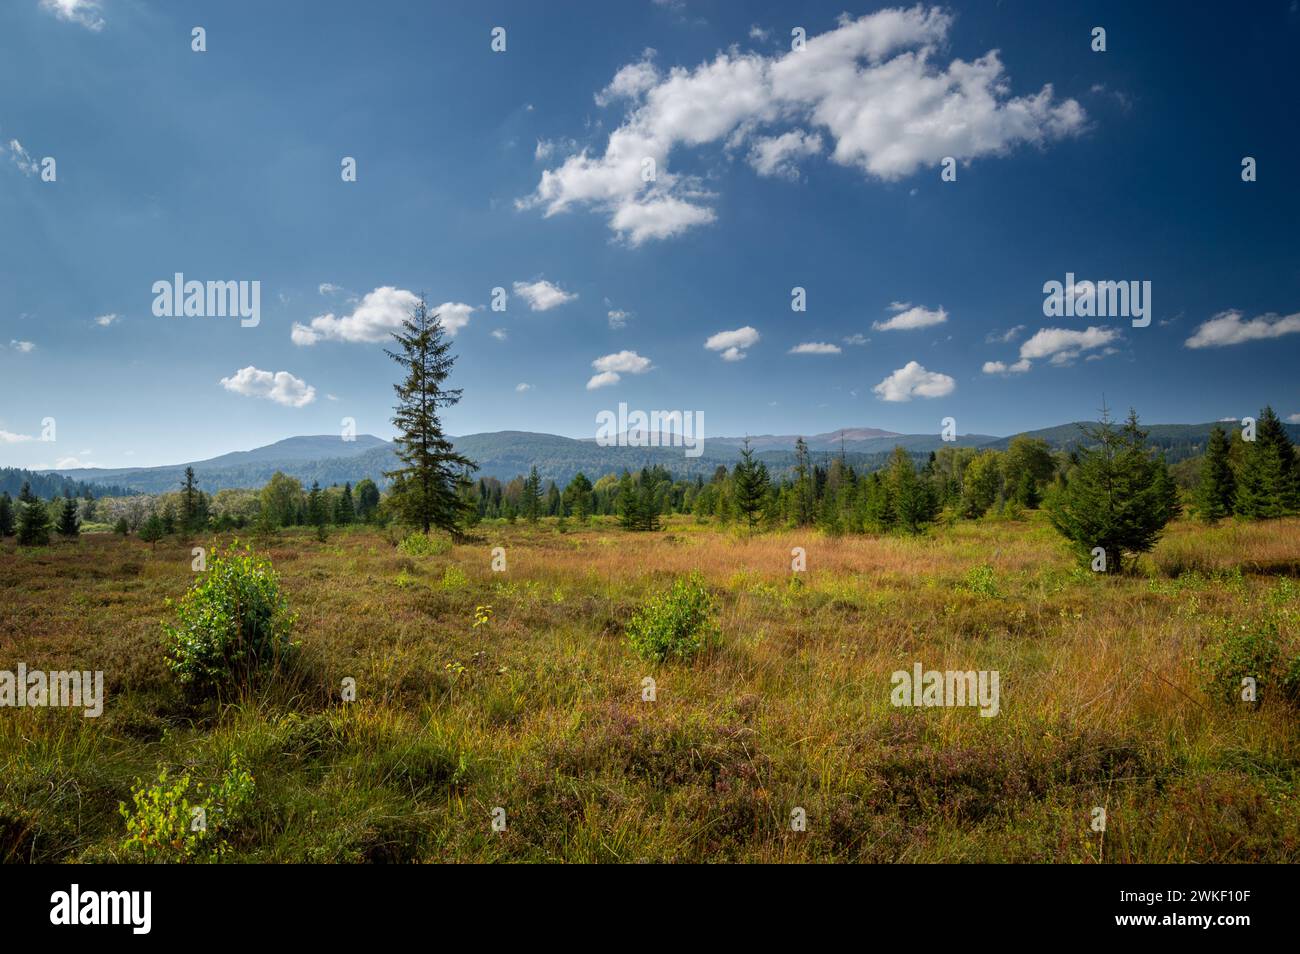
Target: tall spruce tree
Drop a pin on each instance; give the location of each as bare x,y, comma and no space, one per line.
1218,486
1268,484
69,522
1118,498
7,523
751,484
345,513
189,502
33,520
532,500
425,489
805,497
913,500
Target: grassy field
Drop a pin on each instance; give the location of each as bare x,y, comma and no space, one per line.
517,689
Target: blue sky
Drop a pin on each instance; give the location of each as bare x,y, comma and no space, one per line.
774,168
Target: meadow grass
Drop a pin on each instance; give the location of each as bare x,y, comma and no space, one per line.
517,689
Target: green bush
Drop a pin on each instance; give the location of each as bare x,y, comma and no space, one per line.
164,826
676,624
982,581
1244,651
420,544
232,624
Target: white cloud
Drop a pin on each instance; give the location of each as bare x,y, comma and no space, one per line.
815,347
278,386
631,81
776,155
732,344
872,84
83,12
611,367
26,347
9,437
618,318
1004,337
546,148
1227,328
998,367
1292,418
378,314
858,339
1062,345
543,295
757,32
73,463
523,386
105,320
22,159
500,334
910,318
328,288
913,380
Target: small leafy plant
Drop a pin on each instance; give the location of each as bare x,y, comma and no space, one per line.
232,624
1247,650
163,825
675,625
421,544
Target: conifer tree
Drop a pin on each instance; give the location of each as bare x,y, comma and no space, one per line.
1218,487
346,511
152,530
578,497
69,522
425,488
7,523
189,502
913,500
1268,484
317,510
751,484
1118,498
33,519
532,500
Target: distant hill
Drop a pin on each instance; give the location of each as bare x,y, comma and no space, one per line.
506,454
1178,441
48,485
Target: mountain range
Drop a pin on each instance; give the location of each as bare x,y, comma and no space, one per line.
329,459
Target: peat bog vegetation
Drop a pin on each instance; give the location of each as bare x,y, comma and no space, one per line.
479,690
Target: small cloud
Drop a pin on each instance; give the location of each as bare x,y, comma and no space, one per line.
856,340
543,295
82,12
913,380
815,347
278,386
907,318
500,334
618,319
732,344
105,320
523,386
757,32
24,347
777,156
611,367
997,367
25,163
378,314
1227,328
1292,418
1004,337
73,463
9,437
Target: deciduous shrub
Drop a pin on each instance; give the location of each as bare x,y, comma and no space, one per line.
675,625
421,544
233,623
163,825
1252,650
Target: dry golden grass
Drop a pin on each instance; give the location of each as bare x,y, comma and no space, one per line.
539,711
